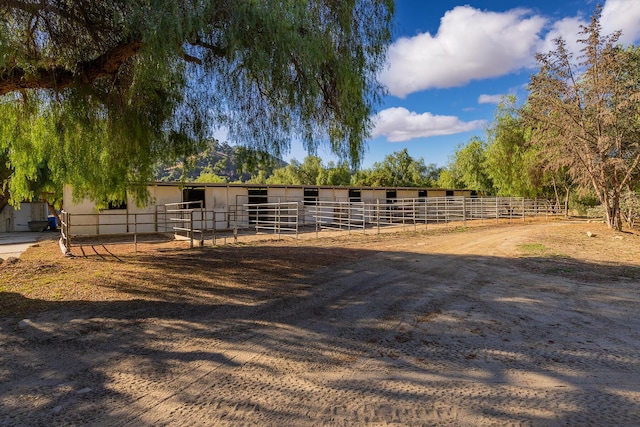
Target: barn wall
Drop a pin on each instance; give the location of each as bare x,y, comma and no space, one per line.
223,206
6,219
36,211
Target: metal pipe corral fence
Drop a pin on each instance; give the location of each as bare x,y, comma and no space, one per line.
190,221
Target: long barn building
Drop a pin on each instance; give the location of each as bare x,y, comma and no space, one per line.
225,206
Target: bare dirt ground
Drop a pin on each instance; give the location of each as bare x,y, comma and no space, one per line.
526,325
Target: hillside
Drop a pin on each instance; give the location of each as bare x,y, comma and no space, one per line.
231,163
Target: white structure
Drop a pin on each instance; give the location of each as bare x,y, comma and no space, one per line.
12,219
223,205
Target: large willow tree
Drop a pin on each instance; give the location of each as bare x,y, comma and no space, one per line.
585,115
93,93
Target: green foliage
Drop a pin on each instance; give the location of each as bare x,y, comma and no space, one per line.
333,174
582,203
399,169
288,175
469,168
630,207
95,93
512,164
396,170
507,164
584,115
210,178
311,171
449,178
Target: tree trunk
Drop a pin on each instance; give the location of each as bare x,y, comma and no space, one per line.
4,199
555,192
612,209
54,212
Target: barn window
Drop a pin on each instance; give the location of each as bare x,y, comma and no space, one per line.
311,196
193,194
355,195
391,196
422,193
257,196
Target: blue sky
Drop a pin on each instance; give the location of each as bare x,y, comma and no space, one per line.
452,61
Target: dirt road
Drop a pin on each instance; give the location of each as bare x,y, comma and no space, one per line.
520,325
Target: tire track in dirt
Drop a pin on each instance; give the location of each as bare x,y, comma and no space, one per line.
444,330
271,321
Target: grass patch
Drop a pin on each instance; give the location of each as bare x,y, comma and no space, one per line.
534,249
462,229
539,250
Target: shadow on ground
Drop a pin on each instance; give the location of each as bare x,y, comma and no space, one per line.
308,336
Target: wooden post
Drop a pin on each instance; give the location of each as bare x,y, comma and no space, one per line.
135,233
67,228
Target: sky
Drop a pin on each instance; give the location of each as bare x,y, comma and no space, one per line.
451,62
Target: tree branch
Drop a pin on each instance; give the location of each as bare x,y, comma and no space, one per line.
190,58
58,77
216,50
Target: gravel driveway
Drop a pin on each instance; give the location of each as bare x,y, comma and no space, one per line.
457,329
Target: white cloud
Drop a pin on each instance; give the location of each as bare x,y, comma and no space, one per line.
622,15
221,134
490,99
617,15
399,124
470,44
567,29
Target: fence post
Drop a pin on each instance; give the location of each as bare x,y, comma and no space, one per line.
364,218
426,213
213,229
298,217
404,222
317,216
135,233
464,211
511,210
235,233
446,211
191,229
67,240
278,219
